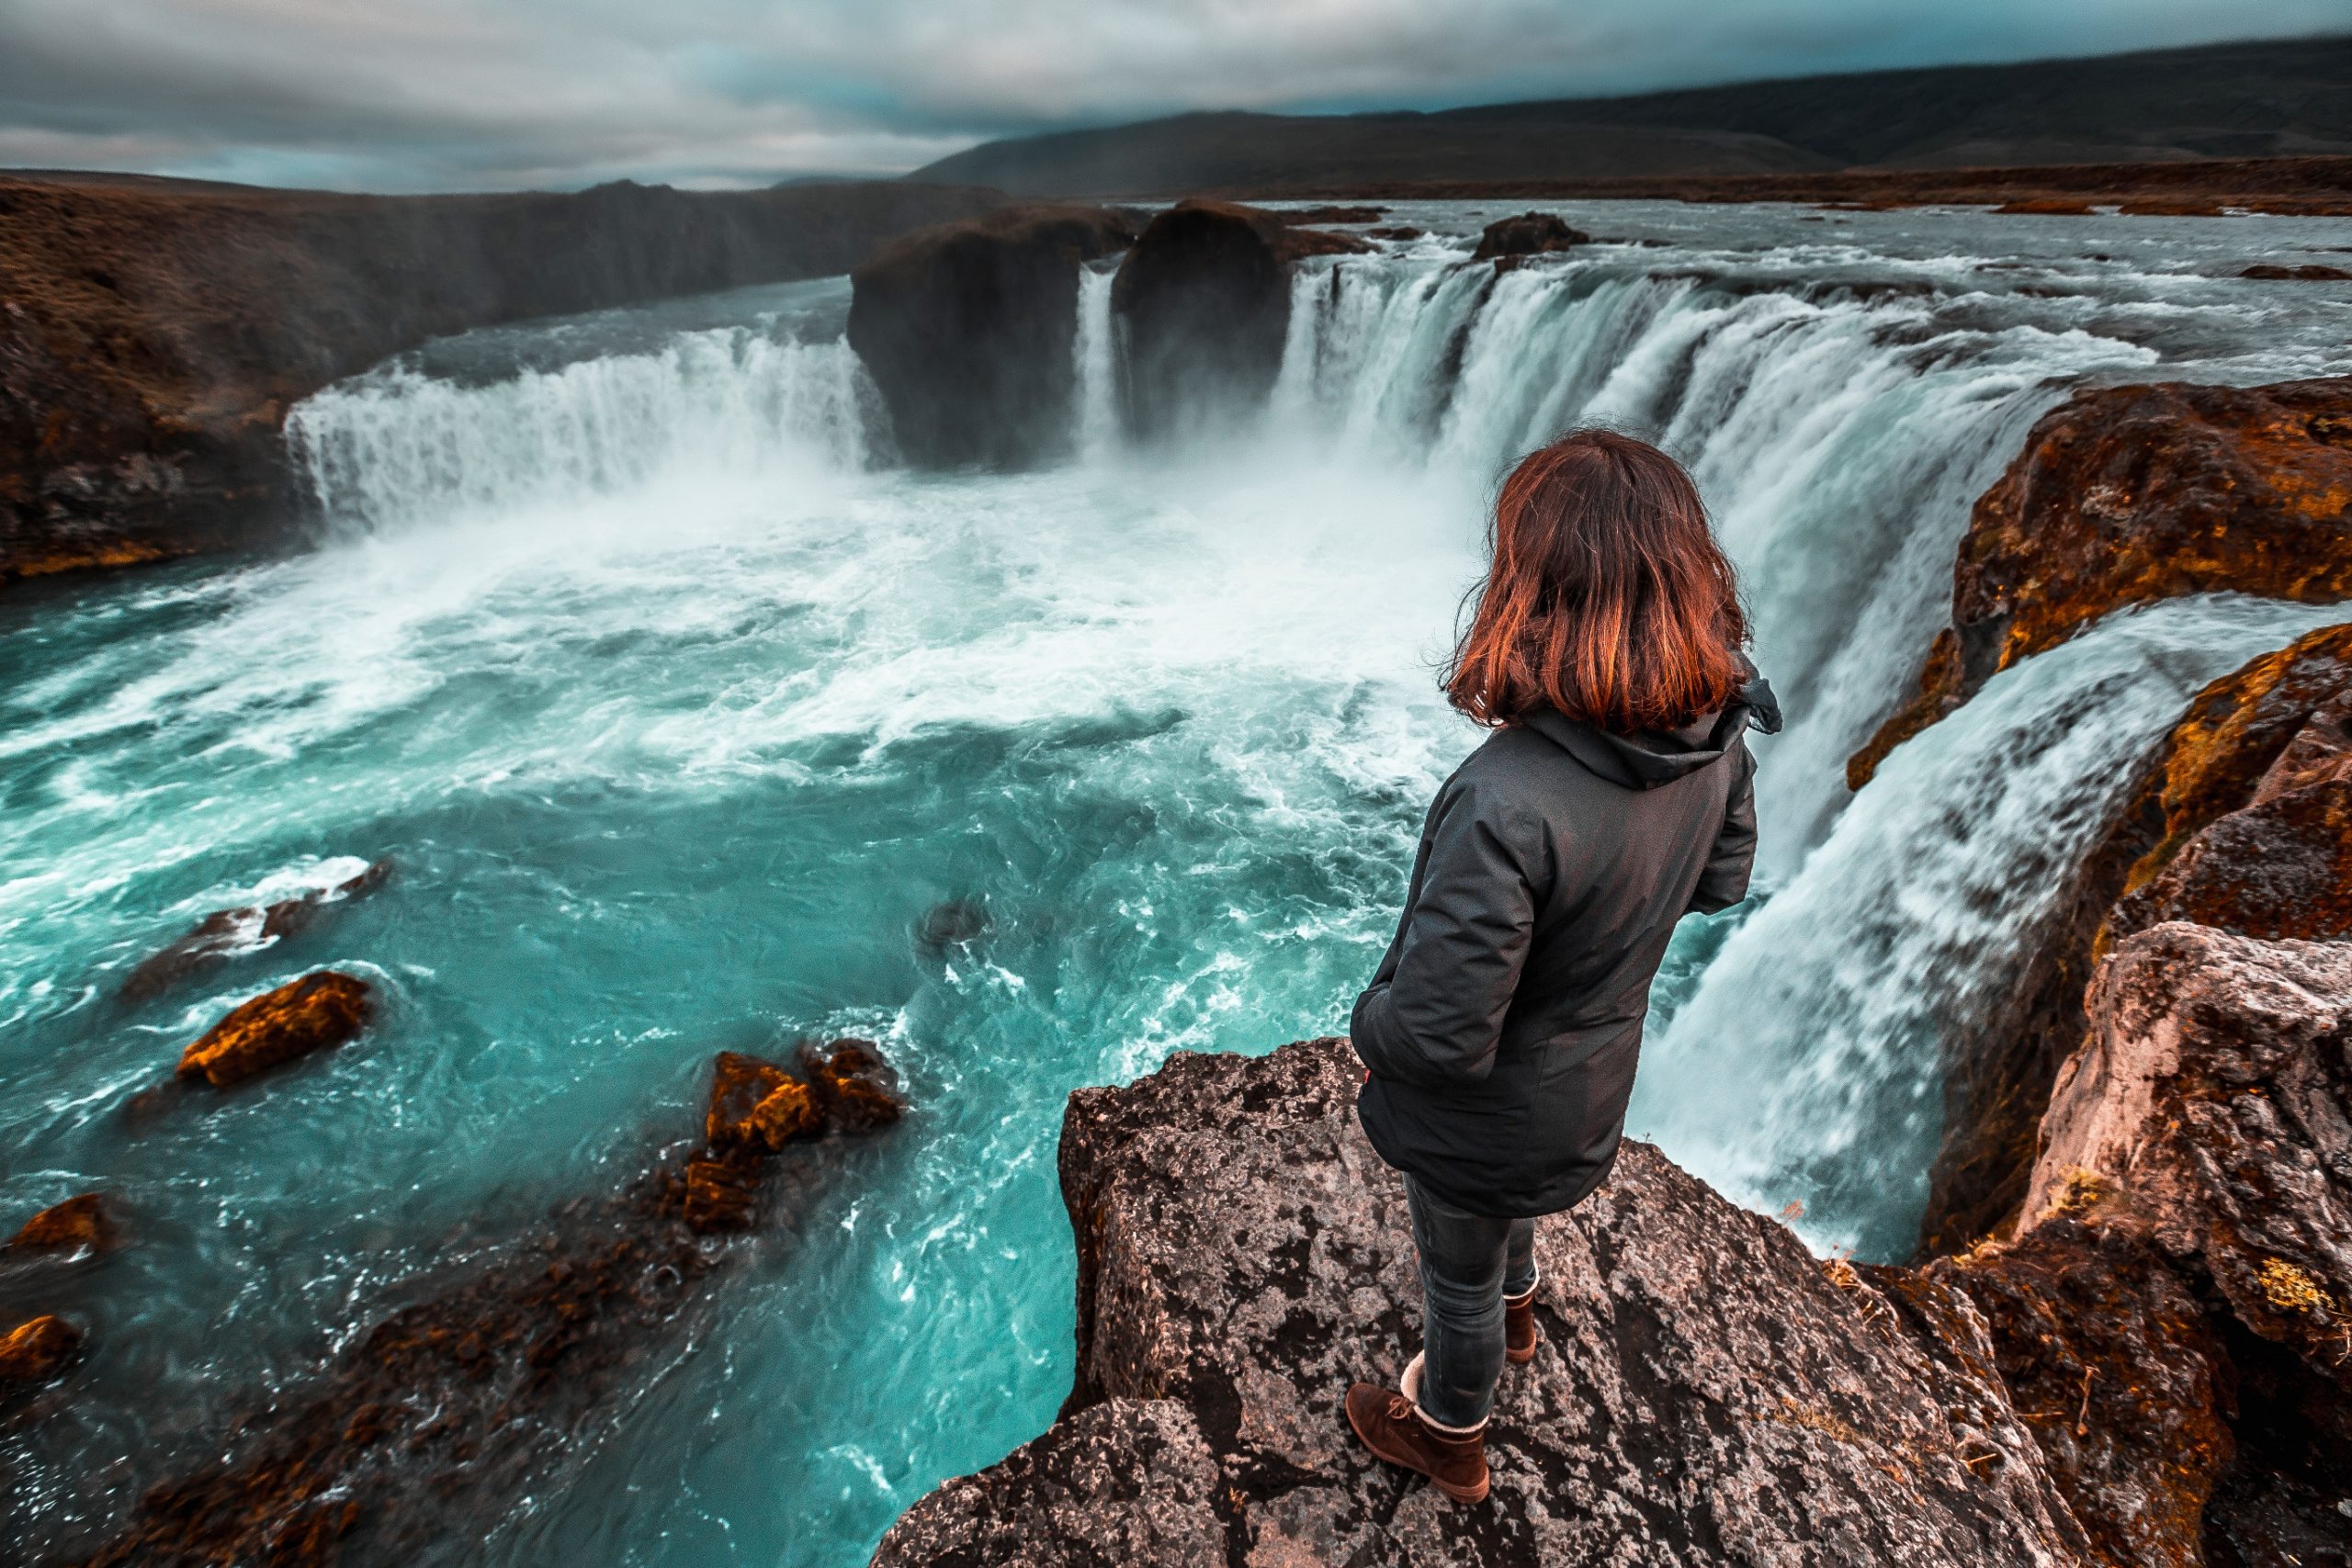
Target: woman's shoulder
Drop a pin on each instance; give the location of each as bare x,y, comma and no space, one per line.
1513,770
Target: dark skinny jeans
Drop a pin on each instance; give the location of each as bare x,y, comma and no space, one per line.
1469,1263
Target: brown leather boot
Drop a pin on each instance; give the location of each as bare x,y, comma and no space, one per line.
1392,1427
1520,1333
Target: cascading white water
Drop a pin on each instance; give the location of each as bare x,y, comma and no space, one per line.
678,702
1095,348
1806,1065
400,446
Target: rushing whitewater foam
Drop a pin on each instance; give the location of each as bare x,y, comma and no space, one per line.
677,705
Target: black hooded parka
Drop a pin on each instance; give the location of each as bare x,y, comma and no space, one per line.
1502,1028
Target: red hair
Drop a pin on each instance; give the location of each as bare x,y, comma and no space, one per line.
1607,597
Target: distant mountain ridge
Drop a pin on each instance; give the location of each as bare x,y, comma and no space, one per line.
2235,100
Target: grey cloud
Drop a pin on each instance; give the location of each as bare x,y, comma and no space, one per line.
474,93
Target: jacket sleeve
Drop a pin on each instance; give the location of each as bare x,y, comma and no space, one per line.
1724,882
1434,1013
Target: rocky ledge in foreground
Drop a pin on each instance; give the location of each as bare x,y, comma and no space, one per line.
1707,1390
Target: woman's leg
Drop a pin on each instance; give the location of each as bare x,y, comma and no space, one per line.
1519,1260
1463,1260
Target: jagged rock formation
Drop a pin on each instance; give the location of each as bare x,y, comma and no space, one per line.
231,933
2237,820
2184,1258
1203,297
1707,1392
447,1406
967,330
314,1013
2215,1092
2127,495
1530,233
153,337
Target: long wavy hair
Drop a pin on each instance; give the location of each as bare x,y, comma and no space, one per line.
1607,597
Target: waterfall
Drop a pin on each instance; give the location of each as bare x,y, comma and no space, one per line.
1806,1065
1097,393
1840,436
398,443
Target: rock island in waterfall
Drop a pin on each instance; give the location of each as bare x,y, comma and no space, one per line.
683,853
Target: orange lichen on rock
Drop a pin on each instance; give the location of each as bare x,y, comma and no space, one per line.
309,1014
2129,495
37,1352
78,1224
2109,1357
757,1105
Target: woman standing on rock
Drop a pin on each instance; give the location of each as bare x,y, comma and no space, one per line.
1614,798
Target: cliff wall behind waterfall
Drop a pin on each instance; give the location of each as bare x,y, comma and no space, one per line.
152,336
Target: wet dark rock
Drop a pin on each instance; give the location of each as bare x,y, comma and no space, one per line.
77,1225
314,1013
497,1378
1706,1391
956,923
1530,233
2129,495
232,934
967,329
857,1089
156,333
1397,232
2309,273
1205,299
37,1352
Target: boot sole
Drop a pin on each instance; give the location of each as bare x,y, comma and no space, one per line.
1521,1357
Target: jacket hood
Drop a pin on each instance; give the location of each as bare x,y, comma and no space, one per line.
1656,757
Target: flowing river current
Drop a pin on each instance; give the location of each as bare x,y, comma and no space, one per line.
679,703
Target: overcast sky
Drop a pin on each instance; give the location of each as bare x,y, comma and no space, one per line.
445,94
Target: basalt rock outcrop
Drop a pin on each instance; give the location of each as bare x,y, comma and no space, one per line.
2174,1316
225,934
967,329
2128,495
154,335
498,1376
314,1013
1707,1392
1528,235
1204,302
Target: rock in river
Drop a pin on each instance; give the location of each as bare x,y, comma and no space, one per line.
312,1013
967,329
1530,233
1204,298
77,1225
230,933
